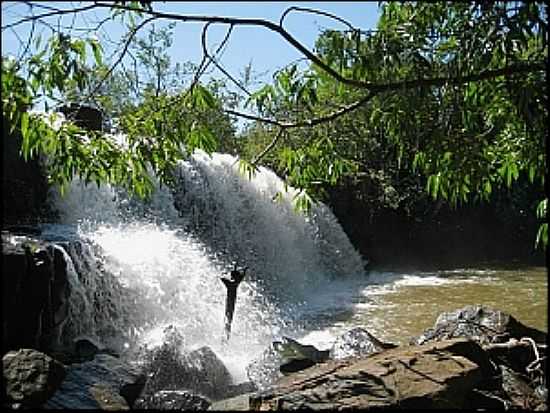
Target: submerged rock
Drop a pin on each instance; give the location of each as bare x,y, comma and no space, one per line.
30,377
435,375
357,342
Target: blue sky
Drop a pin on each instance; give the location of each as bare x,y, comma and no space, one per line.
265,49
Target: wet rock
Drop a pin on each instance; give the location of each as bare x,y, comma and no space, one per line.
283,357
35,293
519,393
97,384
213,377
357,342
30,377
237,403
431,376
240,388
480,323
173,400
86,348
200,372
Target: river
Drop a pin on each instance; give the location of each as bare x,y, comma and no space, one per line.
395,306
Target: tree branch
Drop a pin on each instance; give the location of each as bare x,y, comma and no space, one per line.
314,11
268,147
122,54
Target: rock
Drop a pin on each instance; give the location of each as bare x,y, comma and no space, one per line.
357,342
213,377
173,400
479,323
237,403
35,293
98,384
24,184
86,117
86,348
431,376
200,371
30,377
518,391
285,356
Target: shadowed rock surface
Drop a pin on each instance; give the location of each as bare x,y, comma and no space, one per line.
30,377
98,384
435,375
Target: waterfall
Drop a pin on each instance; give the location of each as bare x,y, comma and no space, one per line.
158,263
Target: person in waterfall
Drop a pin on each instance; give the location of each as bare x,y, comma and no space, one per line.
232,284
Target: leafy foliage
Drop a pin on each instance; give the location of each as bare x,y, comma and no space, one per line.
462,139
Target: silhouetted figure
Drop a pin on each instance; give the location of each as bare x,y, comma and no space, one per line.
232,284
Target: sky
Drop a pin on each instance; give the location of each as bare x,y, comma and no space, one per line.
266,50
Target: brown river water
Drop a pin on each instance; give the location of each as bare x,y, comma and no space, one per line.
395,306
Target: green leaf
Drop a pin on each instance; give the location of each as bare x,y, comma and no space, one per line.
97,51
542,236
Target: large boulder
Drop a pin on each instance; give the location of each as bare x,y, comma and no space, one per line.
357,342
30,377
169,368
492,329
480,323
35,293
433,376
106,383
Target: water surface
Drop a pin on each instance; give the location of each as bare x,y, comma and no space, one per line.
397,306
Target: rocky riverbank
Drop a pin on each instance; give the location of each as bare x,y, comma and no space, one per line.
475,357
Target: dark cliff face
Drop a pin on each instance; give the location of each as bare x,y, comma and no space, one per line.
35,293
24,184
436,237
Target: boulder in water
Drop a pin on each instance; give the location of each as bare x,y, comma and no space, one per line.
480,323
357,342
30,377
98,384
200,372
489,328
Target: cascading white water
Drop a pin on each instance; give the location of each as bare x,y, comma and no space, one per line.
168,254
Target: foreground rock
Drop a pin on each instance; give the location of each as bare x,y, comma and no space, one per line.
480,323
30,377
105,383
433,376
